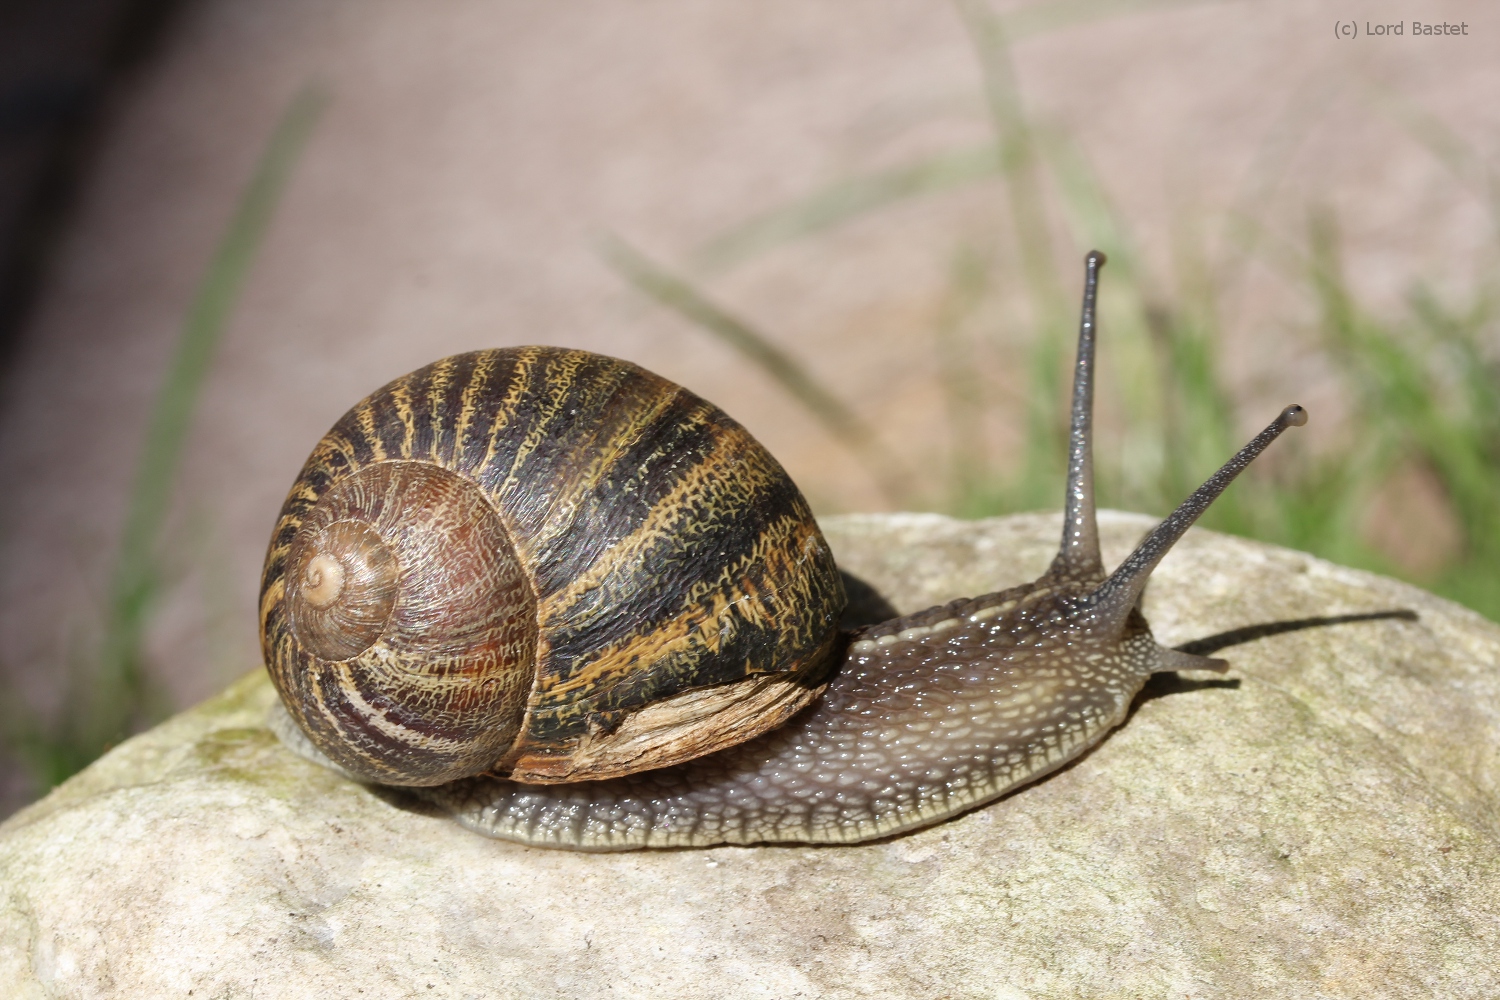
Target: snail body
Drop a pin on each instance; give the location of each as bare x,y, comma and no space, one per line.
789,730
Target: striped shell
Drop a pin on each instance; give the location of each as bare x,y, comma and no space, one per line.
543,564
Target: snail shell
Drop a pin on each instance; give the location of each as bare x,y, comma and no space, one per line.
543,564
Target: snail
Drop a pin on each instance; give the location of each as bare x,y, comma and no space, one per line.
576,606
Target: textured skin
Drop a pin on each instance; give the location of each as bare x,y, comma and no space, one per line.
908,733
666,553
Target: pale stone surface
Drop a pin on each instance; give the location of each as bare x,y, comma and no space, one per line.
1328,826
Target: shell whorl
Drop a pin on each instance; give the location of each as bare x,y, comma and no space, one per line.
668,572
416,625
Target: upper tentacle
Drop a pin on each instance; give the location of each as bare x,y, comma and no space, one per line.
1118,595
1078,557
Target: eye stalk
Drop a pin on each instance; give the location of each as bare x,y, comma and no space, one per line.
1119,594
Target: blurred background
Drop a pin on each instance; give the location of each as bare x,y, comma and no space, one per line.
857,227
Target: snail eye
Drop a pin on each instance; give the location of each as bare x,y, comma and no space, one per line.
345,591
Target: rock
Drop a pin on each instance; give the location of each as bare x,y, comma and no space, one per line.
1325,821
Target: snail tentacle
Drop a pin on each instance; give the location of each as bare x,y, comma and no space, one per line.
1078,557
1121,592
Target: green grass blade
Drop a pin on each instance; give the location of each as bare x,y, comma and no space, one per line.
116,694
963,393
842,202
850,198
1050,15
841,422
1015,140
1449,148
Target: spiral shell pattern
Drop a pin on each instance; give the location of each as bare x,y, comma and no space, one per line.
545,564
